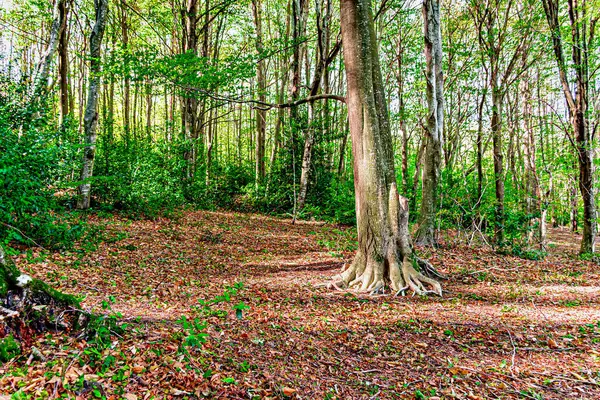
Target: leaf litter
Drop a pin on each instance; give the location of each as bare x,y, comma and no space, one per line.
228,305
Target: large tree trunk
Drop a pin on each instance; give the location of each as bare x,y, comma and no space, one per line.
435,122
384,257
91,113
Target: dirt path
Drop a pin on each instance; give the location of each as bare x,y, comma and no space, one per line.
506,327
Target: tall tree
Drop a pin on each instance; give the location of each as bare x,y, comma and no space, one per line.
127,79
40,82
189,102
384,254
261,78
324,59
492,20
435,122
91,109
63,61
583,16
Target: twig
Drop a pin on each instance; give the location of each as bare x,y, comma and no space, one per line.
492,268
561,377
514,353
366,371
548,349
90,287
21,232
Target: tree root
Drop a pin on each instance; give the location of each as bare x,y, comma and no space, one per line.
416,281
401,278
429,270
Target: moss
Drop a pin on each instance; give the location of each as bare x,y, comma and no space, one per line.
40,291
37,286
8,273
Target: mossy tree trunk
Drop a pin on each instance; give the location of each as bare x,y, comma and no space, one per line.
29,305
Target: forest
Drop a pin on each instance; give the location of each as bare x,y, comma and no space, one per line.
296,199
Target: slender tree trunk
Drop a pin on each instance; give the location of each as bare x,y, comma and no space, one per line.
190,103
40,82
435,123
574,214
91,113
127,81
480,148
63,63
309,141
279,120
401,112
497,100
341,165
578,104
149,110
323,61
533,203
261,80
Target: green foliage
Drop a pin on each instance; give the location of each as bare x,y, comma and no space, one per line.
142,179
9,348
100,332
528,253
35,158
194,329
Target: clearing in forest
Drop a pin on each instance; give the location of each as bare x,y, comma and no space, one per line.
257,322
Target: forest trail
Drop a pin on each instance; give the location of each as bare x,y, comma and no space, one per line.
506,326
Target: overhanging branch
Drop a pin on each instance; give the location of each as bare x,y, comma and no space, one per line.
261,105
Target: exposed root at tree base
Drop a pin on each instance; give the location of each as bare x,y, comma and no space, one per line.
429,270
400,279
416,281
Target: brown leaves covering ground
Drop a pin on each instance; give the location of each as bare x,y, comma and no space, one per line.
506,327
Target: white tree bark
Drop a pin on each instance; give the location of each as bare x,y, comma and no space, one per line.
40,81
91,113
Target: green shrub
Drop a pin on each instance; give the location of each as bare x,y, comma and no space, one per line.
36,160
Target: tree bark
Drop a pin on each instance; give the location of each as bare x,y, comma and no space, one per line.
40,82
490,20
127,81
435,123
63,63
189,102
91,113
578,104
533,200
323,61
497,102
261,80
384,257
28,305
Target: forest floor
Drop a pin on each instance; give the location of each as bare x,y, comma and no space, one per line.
505,328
